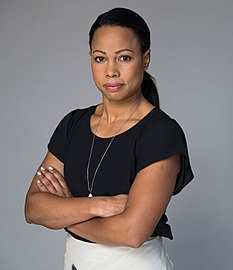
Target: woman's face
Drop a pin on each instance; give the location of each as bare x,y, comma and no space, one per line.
117,62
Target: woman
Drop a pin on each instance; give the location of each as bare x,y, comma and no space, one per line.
112,168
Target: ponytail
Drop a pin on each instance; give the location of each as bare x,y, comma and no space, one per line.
149,89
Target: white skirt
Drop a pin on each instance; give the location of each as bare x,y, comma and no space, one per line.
81,255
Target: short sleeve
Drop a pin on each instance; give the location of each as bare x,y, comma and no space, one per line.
59,140
163,140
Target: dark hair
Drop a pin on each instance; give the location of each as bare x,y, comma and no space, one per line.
127,18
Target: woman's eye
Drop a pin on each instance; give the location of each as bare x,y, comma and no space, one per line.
124,58
99,59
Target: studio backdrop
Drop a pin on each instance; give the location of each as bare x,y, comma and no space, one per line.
45,73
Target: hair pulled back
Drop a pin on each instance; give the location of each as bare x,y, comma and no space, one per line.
127,18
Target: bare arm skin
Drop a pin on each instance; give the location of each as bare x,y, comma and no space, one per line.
49,202
147,201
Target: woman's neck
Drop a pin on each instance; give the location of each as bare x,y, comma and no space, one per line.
111,118
114,111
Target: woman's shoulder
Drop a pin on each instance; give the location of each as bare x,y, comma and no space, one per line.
72,117
160,120
159,127
77,113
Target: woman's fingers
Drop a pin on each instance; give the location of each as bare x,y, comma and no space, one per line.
44,183
61,181
41,186
49,182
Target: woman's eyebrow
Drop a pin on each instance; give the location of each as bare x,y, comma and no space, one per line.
99,51
122,50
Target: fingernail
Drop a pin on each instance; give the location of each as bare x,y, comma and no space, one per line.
42,168
50,168
38,182
39,173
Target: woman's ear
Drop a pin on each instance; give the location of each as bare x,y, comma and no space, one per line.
146,59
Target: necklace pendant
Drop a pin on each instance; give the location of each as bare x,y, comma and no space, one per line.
90,195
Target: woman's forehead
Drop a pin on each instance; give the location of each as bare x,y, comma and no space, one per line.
115,37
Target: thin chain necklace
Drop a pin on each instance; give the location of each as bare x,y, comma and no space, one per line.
90,184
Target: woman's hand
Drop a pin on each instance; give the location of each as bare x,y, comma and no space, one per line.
51,181
107,206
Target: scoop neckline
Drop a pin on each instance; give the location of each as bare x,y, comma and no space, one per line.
124,132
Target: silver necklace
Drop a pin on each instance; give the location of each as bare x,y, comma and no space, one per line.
90,184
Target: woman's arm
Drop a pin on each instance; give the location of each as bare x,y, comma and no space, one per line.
49,202
147,201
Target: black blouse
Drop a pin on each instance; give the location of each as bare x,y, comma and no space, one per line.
153,138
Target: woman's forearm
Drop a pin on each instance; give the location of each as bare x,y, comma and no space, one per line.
118,230
57,212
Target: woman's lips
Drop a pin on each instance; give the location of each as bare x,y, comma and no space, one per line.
113,86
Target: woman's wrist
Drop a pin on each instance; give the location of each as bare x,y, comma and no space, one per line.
107,206
96,205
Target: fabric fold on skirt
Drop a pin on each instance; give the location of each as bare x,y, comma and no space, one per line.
82,255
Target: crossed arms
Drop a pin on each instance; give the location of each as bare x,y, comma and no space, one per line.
126,220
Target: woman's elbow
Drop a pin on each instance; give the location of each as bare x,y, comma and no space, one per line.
28,220
135,244
134,239
28,212
32,218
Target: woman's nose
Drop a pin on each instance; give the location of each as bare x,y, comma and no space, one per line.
112,70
